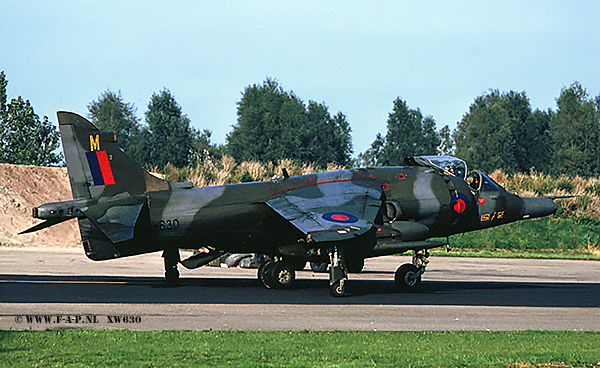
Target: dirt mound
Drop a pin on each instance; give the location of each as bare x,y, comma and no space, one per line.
23,187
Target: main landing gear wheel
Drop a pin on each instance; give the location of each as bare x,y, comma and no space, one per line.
264,274
171,258
172,275
407,278
284,275
277,275
319,266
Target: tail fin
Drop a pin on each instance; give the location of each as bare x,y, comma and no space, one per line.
106,183
97,167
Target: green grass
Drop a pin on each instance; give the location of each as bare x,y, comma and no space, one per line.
296,349
501,253
549,237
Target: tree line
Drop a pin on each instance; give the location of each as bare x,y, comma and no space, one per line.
500,131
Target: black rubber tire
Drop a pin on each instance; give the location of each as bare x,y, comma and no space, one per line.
355,265
319,266
172,275
405,282
283,275
265,274
337,290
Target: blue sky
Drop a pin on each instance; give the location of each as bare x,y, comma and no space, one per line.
355,56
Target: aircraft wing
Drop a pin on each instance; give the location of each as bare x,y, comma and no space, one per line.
331,211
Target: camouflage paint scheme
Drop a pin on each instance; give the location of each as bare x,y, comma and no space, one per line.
340,217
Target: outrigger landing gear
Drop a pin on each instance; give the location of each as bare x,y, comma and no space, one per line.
277,274
337,272
408,276
171,257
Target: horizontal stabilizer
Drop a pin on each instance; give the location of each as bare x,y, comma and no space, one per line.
201,259
45,224
116,219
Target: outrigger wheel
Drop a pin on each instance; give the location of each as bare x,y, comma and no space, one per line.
338,274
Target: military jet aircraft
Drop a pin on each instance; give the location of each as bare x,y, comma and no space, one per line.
338,217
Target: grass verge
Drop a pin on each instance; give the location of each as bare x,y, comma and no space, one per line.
550,237
297,348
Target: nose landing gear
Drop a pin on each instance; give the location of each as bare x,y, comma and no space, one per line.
408,275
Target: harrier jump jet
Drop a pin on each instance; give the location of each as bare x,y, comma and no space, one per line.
338,217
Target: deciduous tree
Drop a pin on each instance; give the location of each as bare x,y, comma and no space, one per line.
111,114
575,133
168,138
408,134
274,124
24,138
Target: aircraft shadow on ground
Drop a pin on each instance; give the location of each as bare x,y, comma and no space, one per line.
215,290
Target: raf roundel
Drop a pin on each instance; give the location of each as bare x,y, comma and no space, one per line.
341,217
460,203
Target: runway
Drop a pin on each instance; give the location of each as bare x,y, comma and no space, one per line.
61,288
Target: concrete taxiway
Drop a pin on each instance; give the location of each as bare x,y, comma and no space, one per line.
61,288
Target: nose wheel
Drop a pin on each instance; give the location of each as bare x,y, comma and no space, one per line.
408,276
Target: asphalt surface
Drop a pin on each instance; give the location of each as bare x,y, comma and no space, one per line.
61,288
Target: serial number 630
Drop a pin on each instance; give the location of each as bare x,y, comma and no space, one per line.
167,224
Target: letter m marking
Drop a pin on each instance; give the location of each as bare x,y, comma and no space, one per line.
95,143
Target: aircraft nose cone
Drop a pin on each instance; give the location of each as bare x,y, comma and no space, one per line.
538,207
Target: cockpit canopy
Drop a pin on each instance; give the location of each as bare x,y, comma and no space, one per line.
445,164
449,165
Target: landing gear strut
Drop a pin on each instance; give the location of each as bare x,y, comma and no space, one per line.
171,257
408,276
337,273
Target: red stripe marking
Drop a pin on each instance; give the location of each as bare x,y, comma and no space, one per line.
307,185
105,168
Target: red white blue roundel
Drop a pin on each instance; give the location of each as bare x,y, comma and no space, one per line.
459,203
341,217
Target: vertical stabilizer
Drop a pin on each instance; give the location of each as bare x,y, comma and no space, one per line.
97,166
114,212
